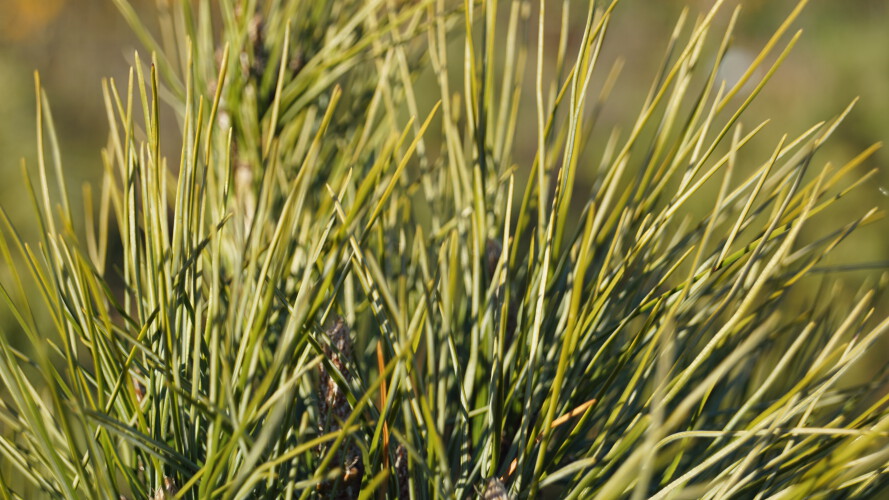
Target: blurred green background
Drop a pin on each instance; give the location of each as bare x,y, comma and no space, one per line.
842,54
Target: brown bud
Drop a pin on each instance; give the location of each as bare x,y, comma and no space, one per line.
495,490
334,409
401,471
168,490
